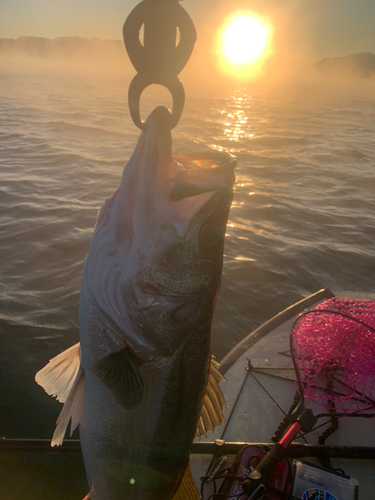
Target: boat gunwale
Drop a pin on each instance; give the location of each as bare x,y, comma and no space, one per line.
267,327
295,450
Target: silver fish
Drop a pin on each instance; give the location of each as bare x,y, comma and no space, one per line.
141,385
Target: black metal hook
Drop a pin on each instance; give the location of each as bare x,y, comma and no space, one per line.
158,60
138,85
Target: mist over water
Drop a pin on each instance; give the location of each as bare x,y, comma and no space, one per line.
303,215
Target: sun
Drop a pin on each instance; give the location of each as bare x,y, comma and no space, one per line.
244,39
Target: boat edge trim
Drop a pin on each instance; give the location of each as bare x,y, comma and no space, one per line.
260,332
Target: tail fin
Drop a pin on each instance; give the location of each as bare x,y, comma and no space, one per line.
187,489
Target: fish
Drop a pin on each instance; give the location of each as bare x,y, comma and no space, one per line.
142,382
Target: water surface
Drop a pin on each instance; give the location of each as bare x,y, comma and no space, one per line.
303,215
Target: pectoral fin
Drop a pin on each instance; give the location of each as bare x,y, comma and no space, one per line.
119,372
187,489
211,415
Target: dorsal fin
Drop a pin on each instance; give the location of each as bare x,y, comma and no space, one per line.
58,376
211,415
187,489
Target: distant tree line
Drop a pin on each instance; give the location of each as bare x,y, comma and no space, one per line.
64,47
362,65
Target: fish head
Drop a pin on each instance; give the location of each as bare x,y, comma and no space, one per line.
155,260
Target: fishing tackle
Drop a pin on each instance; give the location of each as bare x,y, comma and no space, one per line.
159,59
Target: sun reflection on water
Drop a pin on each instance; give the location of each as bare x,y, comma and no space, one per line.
237,119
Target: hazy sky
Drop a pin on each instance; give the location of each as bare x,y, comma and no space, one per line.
317,28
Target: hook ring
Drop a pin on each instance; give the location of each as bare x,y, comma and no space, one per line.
138,85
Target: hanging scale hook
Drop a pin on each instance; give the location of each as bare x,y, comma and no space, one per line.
158,60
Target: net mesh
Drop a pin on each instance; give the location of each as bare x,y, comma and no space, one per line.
334,353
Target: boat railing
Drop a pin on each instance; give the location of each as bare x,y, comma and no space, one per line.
218,447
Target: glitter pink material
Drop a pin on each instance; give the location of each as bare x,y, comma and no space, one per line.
335,355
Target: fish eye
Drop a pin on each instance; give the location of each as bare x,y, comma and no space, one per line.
210,238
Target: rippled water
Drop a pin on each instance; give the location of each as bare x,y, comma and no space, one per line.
303,215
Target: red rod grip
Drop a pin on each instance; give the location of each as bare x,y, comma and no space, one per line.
290,435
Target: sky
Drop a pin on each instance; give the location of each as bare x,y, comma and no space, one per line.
315,28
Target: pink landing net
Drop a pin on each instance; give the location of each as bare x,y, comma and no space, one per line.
334,353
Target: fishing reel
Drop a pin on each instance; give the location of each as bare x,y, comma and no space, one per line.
159,60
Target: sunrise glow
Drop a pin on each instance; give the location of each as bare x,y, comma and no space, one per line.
244,44
244,39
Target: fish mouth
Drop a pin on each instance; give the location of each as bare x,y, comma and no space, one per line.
204,172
